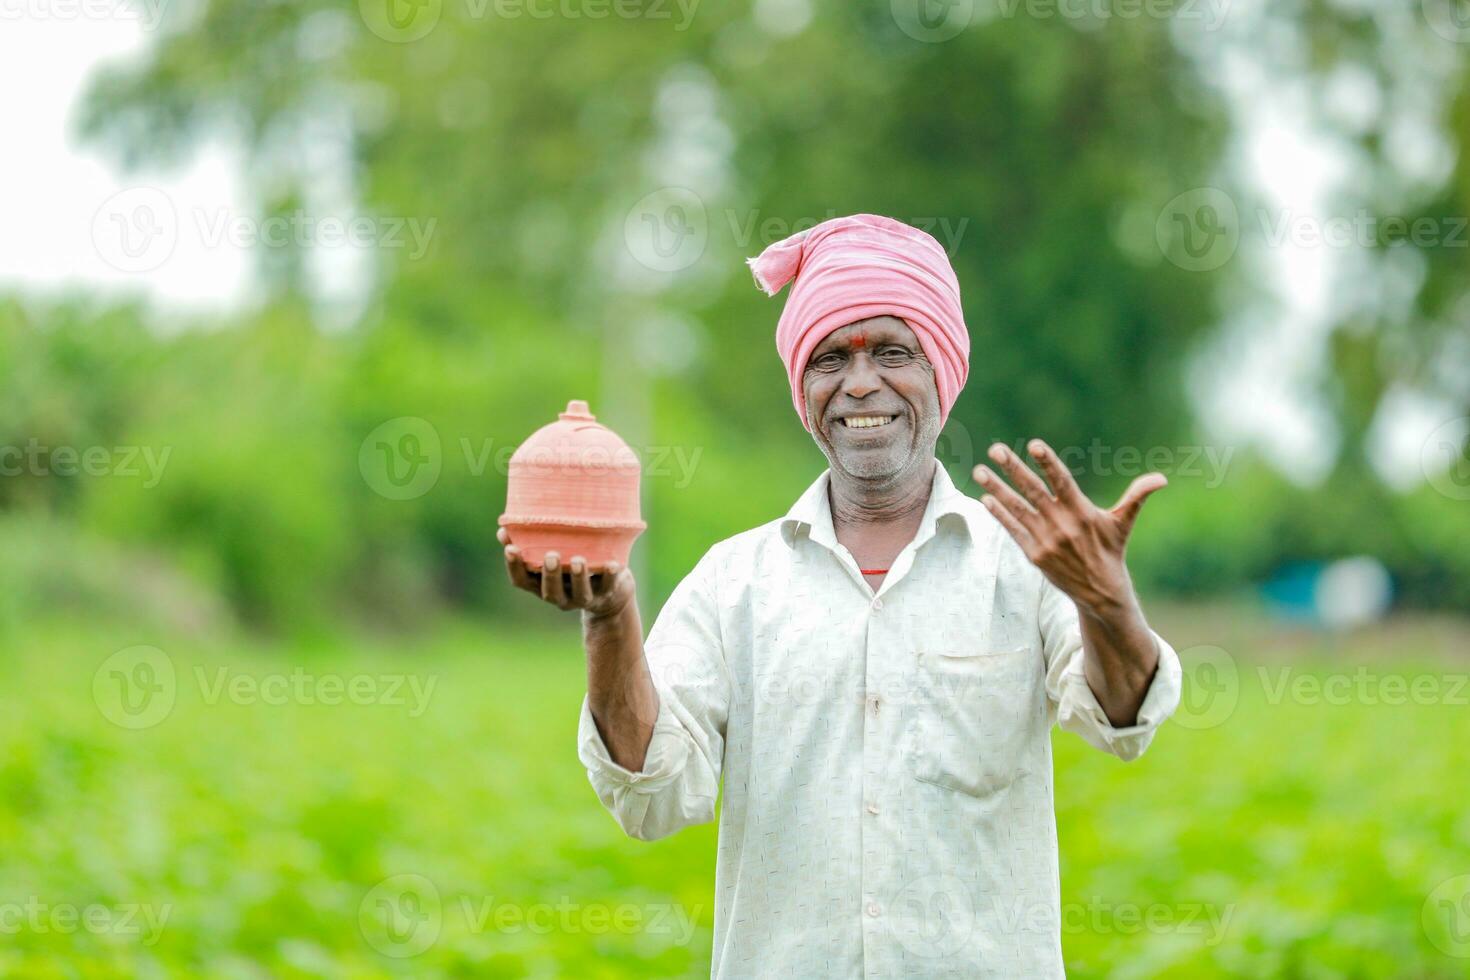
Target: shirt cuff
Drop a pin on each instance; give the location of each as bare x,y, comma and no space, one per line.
1127,742
664,760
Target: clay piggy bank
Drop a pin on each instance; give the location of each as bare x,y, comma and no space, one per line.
573,489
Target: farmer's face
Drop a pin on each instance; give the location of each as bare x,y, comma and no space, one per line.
871,401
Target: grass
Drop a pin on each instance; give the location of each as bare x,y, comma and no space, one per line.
240,837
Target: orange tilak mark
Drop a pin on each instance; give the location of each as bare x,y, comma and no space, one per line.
859,342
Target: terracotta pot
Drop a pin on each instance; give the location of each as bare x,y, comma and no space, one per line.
573,489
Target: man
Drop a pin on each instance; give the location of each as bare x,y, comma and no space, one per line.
875,674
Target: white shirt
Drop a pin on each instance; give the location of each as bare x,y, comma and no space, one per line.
886,758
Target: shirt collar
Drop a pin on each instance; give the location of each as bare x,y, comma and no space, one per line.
813,510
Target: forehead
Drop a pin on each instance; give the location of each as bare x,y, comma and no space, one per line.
867,333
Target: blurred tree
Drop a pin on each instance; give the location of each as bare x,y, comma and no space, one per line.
1390,90
542,147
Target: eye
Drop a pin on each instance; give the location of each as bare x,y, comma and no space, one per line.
895,356
830,361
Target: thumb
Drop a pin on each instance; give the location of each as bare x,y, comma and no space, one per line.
1127,508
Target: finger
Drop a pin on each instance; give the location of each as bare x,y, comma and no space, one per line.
520,575
1024,513
581,581
552,589
1063,486
604,583
1127,508
503,536
1009,521
1022,476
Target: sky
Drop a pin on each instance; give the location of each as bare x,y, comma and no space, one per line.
56,189
77,220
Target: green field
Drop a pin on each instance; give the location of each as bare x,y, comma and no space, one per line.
293,810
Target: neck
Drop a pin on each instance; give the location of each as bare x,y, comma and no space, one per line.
893,501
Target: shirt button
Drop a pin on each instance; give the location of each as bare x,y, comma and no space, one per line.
877,604
873,808
873,910
873,703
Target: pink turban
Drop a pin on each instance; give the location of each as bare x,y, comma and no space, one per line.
861,266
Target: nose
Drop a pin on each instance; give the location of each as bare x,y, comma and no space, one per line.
861,377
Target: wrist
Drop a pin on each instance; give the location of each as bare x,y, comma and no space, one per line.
1110,609
610,618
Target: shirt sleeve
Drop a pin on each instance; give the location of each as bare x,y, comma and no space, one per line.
680,778
1077,708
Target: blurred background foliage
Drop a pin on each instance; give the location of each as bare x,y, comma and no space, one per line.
1030,147
1028,150
238,525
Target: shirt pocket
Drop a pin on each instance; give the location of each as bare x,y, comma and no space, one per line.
972,718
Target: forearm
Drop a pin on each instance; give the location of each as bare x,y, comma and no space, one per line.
620,691
1119,658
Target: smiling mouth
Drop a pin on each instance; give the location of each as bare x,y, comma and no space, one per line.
867,421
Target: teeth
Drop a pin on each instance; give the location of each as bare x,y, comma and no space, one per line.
868,421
